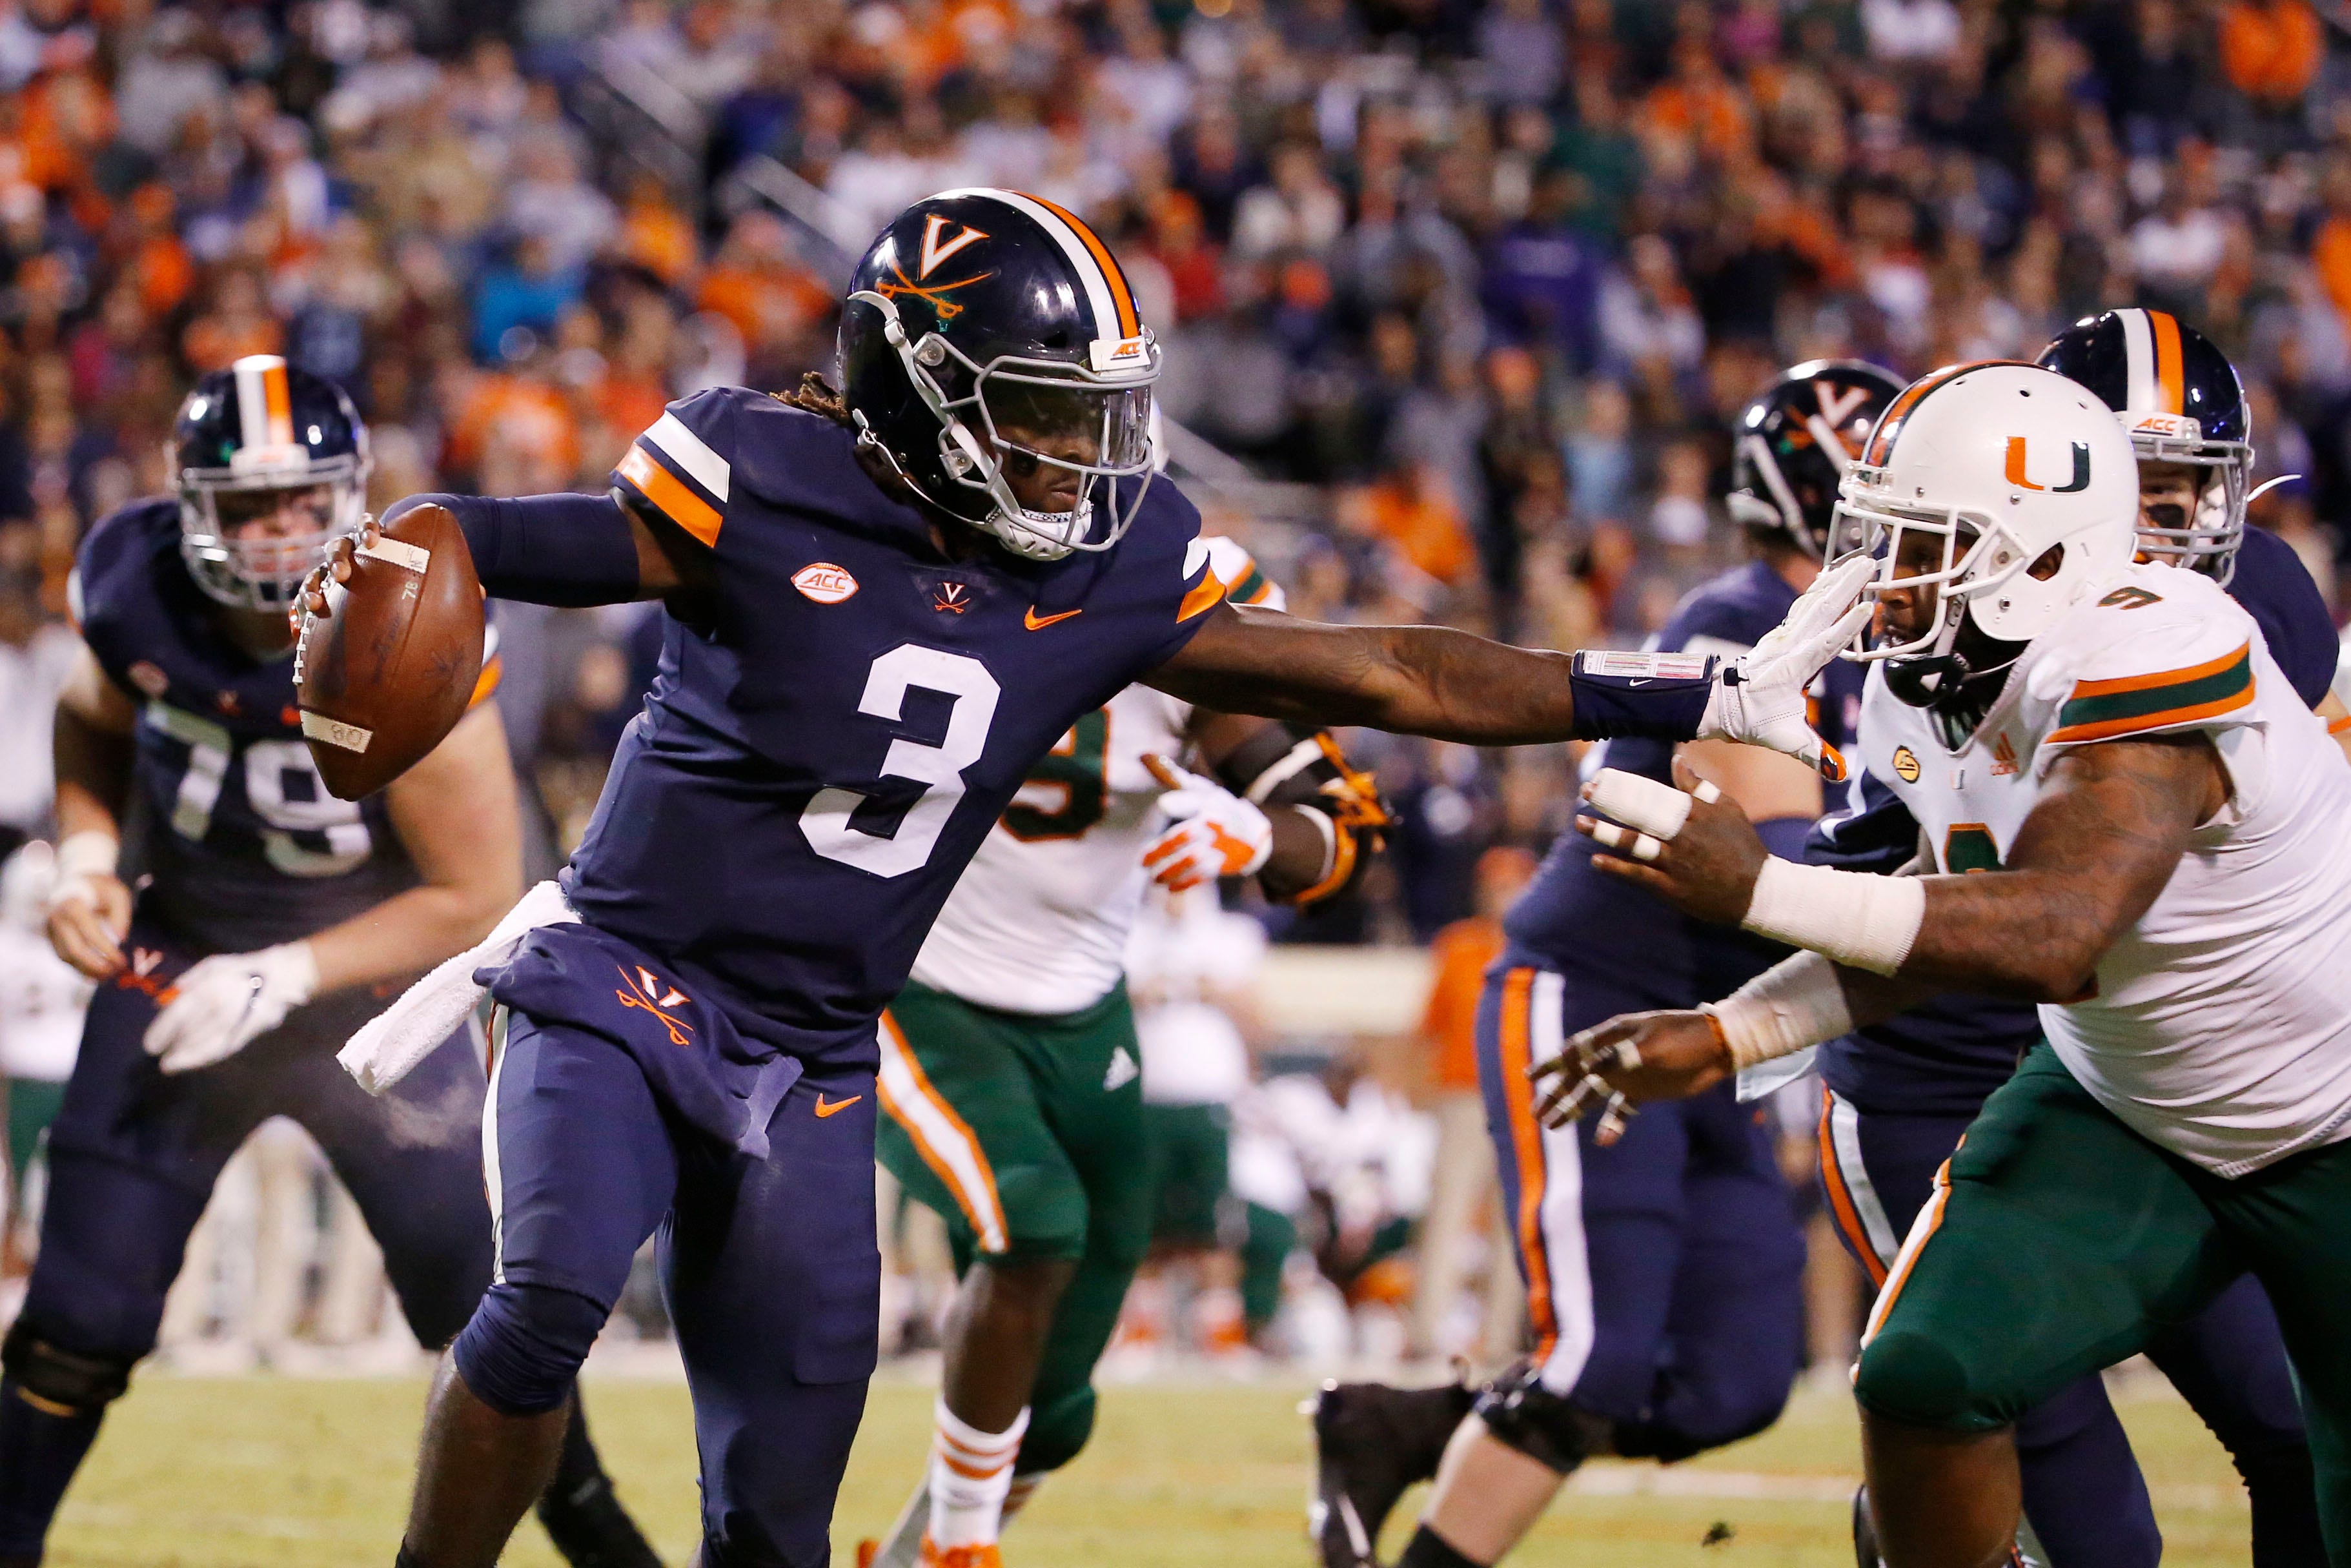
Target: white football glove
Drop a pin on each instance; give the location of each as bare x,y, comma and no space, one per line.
1215,833
224,1002
1760,697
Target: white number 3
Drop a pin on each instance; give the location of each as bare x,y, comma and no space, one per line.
939,768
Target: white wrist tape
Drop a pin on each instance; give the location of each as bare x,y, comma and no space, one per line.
93,851
1652,812
1782,1010
1860,920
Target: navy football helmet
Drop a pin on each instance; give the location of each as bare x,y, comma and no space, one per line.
987,333
2179,400
245,437
1796,440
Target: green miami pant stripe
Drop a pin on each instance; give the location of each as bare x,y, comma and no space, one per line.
1025,1133
2059,1240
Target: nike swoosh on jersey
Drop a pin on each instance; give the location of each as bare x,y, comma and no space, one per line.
1036,622
825,1107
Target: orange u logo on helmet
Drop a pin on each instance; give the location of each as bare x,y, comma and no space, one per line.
2016,468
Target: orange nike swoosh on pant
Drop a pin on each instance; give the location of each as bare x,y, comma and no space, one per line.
1036,622
827,1107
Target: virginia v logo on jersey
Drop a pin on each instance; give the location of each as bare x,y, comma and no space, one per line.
2016,463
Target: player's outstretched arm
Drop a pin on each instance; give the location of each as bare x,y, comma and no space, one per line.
2111,825
569,550
1415,680
90,906
1450,685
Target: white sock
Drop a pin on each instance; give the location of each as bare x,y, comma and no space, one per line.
971,1472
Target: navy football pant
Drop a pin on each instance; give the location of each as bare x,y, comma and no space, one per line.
1664,1273
2084,1495
133,1156
770,1267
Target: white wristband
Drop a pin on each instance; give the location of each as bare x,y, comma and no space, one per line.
93,851
1860,920
1780,1011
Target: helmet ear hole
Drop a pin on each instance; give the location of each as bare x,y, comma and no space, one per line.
2042,570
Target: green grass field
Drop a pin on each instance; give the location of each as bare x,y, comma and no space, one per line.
259,1472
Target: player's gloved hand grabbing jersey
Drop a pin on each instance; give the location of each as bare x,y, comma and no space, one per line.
226,1002
1214,833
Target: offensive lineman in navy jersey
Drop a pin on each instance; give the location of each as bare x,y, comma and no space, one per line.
1898,1095
1663,1267
884,605
266,921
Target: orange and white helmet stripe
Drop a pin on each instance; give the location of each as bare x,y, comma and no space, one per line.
1108,297
265,406
2151,355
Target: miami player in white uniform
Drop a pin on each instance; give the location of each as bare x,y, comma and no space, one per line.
1010,1070
2161,822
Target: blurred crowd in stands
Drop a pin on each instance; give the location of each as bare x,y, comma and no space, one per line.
1471,290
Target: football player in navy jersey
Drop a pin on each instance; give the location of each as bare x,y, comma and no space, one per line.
1663,1265
240,923
884,605
1897,1095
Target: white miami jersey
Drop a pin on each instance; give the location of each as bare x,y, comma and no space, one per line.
2220,1026
1039,922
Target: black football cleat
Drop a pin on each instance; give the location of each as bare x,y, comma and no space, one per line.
1371,1442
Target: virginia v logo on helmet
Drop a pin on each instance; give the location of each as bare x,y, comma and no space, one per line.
1796,440
1994,495
991,353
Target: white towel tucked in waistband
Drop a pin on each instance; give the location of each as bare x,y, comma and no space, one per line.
389,1046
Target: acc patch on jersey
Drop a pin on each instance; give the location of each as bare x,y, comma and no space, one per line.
1906,765
824,583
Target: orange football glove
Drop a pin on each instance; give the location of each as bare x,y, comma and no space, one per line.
1214,832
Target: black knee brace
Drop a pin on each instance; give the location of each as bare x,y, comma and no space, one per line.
77,1383
1524,1414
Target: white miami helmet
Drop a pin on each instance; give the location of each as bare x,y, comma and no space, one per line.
2022,481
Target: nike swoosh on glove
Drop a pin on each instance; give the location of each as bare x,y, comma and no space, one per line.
1759,697
226,1002
1215,833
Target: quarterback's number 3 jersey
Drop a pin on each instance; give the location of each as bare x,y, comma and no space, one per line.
821,754
2219,1025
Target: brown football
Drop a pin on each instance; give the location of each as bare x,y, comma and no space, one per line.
390,669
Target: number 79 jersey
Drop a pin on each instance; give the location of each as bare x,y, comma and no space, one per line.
2219,1024
241,844
820,758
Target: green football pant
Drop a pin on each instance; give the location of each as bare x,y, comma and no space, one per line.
2058,1240
1025,1133
1188,1153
